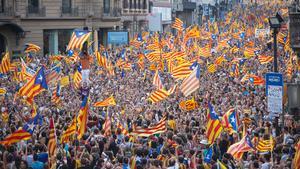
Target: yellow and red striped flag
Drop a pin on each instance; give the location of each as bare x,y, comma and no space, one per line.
16,137
214,126
266,145
102,60
30,47
158,95
182,71
82,118
172,89
220,60
265,59
78,38
52,140
211,68
107,102
5,64
69,132
178,25
296,159
107,126
157,81
191,83
237,150
153,56
26,73
160,127
34,86
77,79
289,70
56,95
123,129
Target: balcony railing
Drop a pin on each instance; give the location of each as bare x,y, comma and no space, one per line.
36,11
8,11
67,11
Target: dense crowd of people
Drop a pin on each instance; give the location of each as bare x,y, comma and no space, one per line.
184,144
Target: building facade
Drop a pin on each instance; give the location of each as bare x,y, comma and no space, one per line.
164,8
185,10
49,23
134,16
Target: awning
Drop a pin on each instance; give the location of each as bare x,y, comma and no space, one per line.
13,26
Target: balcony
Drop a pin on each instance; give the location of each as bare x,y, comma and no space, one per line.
189,5
133,11
112,14
34,11
7,12
70,12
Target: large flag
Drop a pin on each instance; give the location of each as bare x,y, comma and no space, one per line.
214,127
178,24
158,95
30,47
230,120
5,64
160,127
25,133
34,86
52,139
16,137
237,149
78,38
157,81
191,83
82,117
107,102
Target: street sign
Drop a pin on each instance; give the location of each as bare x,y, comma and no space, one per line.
274,91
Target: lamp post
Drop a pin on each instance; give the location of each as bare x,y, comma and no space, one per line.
200,13
275,24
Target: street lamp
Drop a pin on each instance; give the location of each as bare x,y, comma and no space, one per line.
200,13
275,24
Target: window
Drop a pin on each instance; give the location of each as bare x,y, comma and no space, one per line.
33,6
56,41
145,4
130,4
2,6
125,4
106,4
134,5
139,4
66,6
